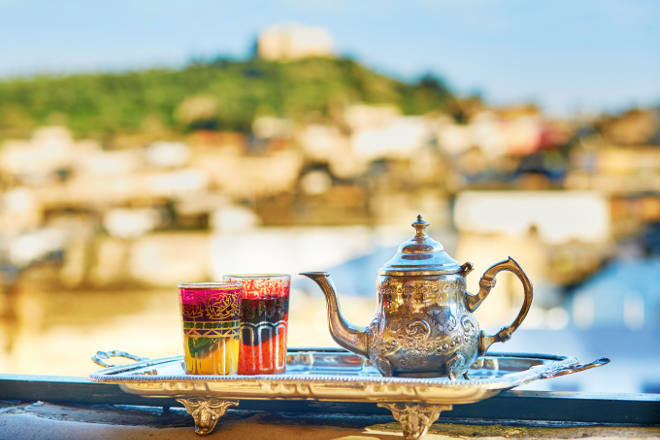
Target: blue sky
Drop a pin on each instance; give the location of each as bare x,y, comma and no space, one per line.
567,56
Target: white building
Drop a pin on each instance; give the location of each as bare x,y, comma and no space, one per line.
558,216
290,41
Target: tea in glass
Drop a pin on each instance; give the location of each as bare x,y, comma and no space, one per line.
211,327
264,321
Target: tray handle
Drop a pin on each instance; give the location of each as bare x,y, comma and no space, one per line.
100,356
576,368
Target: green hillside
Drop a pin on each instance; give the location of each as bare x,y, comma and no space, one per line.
222,94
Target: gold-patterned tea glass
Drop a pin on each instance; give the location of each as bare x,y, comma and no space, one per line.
211,327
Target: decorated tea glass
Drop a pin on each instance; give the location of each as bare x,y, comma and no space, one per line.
264,321
211,327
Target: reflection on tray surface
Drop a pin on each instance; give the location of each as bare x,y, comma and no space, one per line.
315,363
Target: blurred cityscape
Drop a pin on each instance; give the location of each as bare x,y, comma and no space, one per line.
112,185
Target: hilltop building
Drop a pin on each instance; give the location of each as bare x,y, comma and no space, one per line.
291,41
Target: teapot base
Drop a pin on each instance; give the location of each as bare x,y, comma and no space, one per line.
416,364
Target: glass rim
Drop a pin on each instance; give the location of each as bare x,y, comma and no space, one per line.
256,276
216,285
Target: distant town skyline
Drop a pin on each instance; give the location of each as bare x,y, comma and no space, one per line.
564,56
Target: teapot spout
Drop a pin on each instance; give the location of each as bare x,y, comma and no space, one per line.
348,336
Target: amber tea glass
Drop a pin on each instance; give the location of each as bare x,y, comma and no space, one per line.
264,321
211,327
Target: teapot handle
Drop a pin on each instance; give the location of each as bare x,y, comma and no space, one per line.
486,283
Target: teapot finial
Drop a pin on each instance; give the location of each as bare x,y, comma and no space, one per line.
420,225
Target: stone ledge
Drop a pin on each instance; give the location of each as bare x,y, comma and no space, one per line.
39,420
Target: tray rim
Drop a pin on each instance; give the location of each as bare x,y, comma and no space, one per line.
553,363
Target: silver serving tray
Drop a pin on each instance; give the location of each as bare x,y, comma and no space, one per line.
333,375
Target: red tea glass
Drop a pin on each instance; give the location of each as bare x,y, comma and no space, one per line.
264,321
211,327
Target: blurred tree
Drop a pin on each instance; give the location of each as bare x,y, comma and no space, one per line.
220,93
15,121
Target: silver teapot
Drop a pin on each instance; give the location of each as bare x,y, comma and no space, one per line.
424,324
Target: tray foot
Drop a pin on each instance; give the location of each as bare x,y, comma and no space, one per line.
415,418
206,412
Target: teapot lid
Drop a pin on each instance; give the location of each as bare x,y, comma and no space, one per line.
420,255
